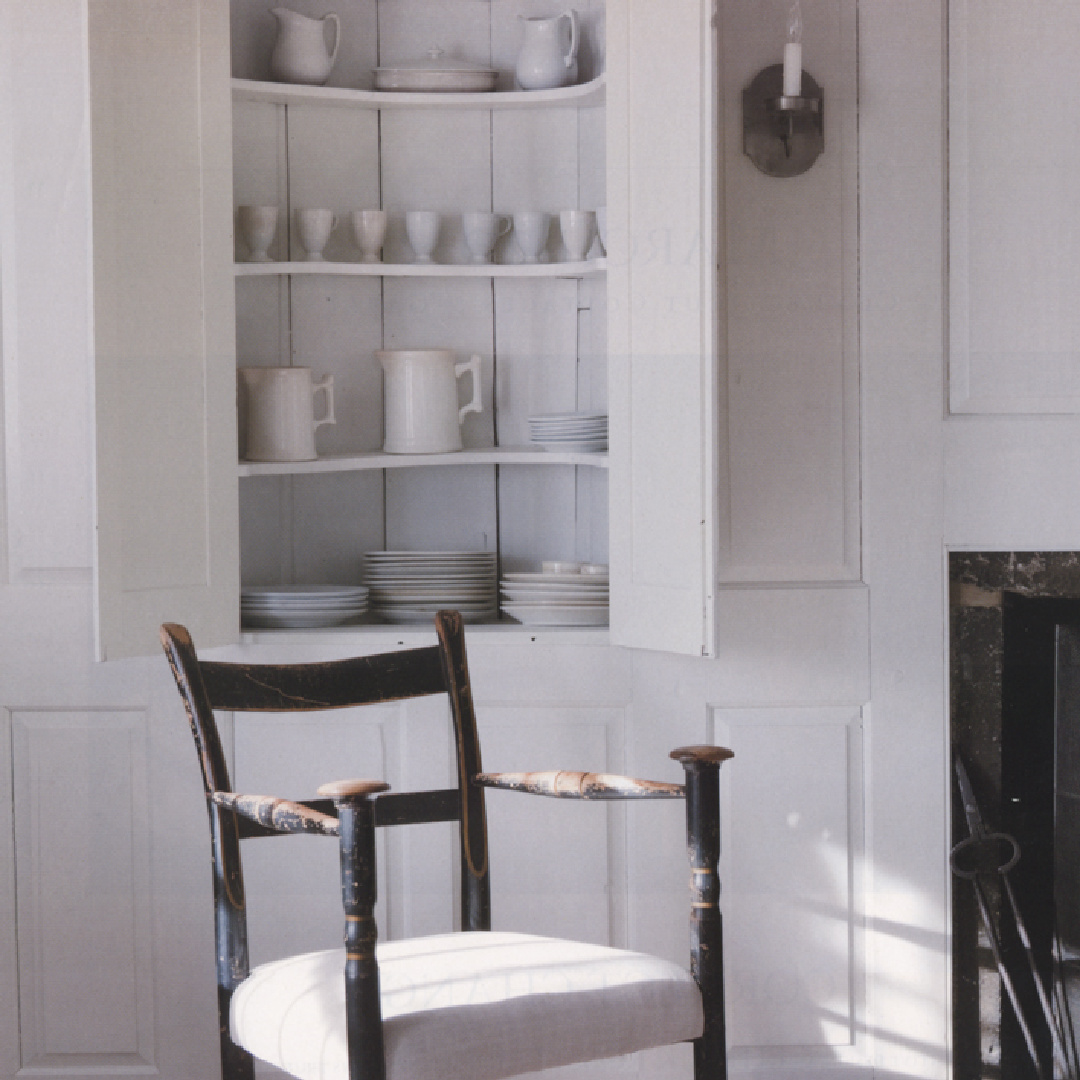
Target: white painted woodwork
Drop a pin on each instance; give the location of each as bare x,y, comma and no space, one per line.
44,292
794,968
902,320
789,476
96,765
163,314
794,668
662,309
1014,336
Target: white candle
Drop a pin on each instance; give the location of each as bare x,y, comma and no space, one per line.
792,69
793,53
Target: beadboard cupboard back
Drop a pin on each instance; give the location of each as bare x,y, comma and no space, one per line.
559,336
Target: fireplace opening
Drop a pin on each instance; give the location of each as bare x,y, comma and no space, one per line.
1015,727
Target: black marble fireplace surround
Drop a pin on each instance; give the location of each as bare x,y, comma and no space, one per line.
1015,699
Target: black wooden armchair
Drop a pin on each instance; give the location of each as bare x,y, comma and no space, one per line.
475,1005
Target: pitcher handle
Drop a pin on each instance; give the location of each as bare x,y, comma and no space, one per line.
472,365
336,22
326,386
571,56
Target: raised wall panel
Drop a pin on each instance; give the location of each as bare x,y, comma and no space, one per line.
1014,328
82,857
793,841
45,294
789,453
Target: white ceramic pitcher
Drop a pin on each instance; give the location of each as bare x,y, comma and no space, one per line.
420,399
301,54
277,408
548,57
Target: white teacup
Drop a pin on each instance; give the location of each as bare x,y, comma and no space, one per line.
578,228
369,231
482,230
277,406
258,224
314,228
422,229
531,228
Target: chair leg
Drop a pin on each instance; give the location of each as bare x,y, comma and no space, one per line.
702,766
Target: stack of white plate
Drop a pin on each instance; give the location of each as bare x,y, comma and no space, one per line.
410,586
301,605
551,599
580,431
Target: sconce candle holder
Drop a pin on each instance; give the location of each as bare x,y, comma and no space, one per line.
782,135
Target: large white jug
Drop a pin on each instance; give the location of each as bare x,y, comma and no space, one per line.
548,56
277,412
300,53
420,399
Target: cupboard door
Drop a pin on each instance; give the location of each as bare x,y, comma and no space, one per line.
661,289
164,335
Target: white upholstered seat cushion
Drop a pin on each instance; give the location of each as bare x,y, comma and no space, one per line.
469,1006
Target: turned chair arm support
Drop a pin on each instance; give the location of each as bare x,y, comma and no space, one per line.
355,803
580,785
702,766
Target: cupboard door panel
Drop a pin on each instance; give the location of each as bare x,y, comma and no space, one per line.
661,192
164,311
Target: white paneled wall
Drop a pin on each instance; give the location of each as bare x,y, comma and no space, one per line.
820,781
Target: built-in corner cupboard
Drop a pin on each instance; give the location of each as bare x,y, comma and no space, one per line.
191,126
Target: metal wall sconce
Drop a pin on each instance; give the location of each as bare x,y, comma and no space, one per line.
782,135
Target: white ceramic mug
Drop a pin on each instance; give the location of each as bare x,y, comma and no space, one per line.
578,228
313,228
482,230
531,228
369,231
422,229
278,412
420,399
257,226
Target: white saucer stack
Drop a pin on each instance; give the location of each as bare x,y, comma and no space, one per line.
556,599
285,606
411,586
579,431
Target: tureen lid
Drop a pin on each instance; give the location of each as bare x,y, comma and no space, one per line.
437,60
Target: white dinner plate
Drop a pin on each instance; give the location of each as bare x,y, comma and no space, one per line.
540,615
538,577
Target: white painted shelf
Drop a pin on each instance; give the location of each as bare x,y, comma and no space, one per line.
581,96
499,455
410,635
588,268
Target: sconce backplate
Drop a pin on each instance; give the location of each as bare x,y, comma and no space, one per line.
782,136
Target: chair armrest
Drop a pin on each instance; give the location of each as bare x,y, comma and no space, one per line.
286,816
580,785
281,815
